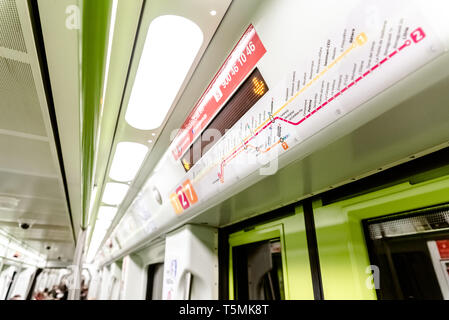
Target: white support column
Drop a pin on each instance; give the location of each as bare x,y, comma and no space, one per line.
75,286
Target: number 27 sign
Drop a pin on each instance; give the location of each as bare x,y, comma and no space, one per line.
183,197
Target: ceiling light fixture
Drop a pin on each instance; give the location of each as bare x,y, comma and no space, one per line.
127,161
106,213
213,13
114,193
95,242
171,46
102,225
108,55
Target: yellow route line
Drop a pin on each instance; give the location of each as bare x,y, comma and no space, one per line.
360,40
354,45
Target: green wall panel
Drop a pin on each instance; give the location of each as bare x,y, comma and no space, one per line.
295,255
341,243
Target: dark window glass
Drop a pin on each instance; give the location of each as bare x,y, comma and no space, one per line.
257,271
404,249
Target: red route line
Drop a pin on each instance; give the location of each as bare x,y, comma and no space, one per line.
238,150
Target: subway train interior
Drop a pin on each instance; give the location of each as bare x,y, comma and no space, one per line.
224,150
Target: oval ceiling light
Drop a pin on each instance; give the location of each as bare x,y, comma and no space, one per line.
114,193
171,46
127,161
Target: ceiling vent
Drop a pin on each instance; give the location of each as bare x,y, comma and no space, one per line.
11,35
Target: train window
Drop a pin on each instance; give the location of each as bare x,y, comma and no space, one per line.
155,281
245,97
257,269
410,251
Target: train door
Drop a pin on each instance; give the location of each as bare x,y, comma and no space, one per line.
7,280
39,284
23,283
143,273
190,264
388,241
52,278
9,277
3,280
94,285
115,281
270,261
105,283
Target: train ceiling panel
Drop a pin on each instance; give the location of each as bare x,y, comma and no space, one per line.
31,186
21,184
321,155
203,15
21,150
11,35
36,216
17,89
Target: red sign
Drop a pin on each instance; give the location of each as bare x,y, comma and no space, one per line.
237,66
443,248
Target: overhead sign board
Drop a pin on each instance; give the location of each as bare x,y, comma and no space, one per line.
353,63
237,66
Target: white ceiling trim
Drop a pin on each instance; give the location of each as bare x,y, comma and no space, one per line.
23,135
53,213
27,173
47,240
14,55
28,196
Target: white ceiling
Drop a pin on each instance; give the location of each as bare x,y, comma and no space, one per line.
29,166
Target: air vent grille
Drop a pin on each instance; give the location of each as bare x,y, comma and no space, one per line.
427,220
11,35
19,103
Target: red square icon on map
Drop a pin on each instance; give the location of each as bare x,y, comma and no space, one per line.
417,35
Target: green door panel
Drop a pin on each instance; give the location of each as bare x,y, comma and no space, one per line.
295,255
341,243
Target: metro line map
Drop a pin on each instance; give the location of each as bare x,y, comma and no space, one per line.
349,69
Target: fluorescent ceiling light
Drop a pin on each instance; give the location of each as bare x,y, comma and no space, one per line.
108,56
106,213
114,193
127,161
95,242
102,226
171,45
93,197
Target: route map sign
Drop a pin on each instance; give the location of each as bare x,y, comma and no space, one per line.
354,63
